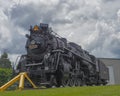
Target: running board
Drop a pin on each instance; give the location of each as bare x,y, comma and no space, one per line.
46,83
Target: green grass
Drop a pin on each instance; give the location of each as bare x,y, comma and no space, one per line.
68,91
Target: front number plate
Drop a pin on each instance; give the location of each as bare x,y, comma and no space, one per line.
33,46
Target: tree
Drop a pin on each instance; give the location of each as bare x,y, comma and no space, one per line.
5,69
5,75
4,61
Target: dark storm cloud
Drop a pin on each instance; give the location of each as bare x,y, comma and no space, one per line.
24,15
109,0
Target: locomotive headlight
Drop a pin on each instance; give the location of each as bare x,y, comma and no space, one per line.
33,42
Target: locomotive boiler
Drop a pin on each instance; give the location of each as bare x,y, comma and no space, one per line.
53,61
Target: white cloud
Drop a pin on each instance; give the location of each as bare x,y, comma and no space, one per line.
90,23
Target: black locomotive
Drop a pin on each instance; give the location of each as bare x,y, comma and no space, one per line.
53,61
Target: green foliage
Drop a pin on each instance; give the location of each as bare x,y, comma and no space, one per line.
5,75
4,55
68,91
4,61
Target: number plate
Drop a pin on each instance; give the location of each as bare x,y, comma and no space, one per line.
33,46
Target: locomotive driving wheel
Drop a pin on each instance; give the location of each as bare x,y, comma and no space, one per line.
71,82
75,82
65,81
52,82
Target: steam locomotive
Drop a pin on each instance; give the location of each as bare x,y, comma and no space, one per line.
53,61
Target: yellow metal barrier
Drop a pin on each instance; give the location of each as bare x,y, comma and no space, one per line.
20,77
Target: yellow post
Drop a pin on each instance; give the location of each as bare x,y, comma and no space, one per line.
5,86
21,83
34,86
20,77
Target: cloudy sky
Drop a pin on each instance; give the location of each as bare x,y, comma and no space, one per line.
93,24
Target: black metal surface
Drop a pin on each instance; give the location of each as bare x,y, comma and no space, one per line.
52,59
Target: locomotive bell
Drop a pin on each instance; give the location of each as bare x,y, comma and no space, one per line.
36,28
